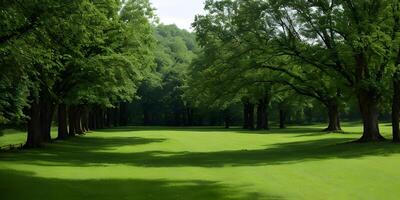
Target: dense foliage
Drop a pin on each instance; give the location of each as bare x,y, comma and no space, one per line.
82,55
331,51
89,64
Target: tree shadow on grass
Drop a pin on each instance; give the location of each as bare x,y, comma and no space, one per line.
216,130
84,152
15,185
101,143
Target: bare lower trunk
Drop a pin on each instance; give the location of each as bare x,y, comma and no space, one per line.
370,114
334,118
71,121
77,120
245,115
46,117
396,108
251,116
227,118
34,138
368,101
262,114
85,119
261,110
62,122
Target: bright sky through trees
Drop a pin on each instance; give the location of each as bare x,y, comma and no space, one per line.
179,12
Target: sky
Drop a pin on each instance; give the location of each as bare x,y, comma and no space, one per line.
179,12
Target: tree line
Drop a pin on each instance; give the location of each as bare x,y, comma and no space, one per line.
255,51
79,59
85,65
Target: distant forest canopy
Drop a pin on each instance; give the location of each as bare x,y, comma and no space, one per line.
84,65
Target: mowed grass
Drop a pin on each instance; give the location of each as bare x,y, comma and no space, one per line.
205,163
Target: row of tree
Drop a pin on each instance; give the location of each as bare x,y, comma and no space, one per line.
80,59
95,64
260,51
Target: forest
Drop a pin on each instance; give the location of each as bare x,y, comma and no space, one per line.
103,77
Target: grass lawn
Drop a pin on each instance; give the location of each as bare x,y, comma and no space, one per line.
204,164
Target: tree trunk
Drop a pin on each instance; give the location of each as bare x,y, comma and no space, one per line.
396,101
370,114
262,114
334,118
266,127
92,119
245,115
71,121
85,119
227,118
251,116
34,138
282,119
62,122
368,101
396,107
78,120
46,118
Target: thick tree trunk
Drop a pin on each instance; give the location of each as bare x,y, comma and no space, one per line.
370,114
282,119
334,118
262,114
245,115
248,115
251,116
396,108
46,118
78,121
85,119
71,121
92,119
62,122
266,119
368,101
35,137
396,102
227,118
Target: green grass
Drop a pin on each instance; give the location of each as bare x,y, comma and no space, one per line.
205,163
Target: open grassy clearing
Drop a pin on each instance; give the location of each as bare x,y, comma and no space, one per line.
204,163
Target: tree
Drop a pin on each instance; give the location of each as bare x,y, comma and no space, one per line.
80,54
228,35
352,42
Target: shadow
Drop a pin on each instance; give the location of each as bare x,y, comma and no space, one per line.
99,143
12,182
215,130
84,152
